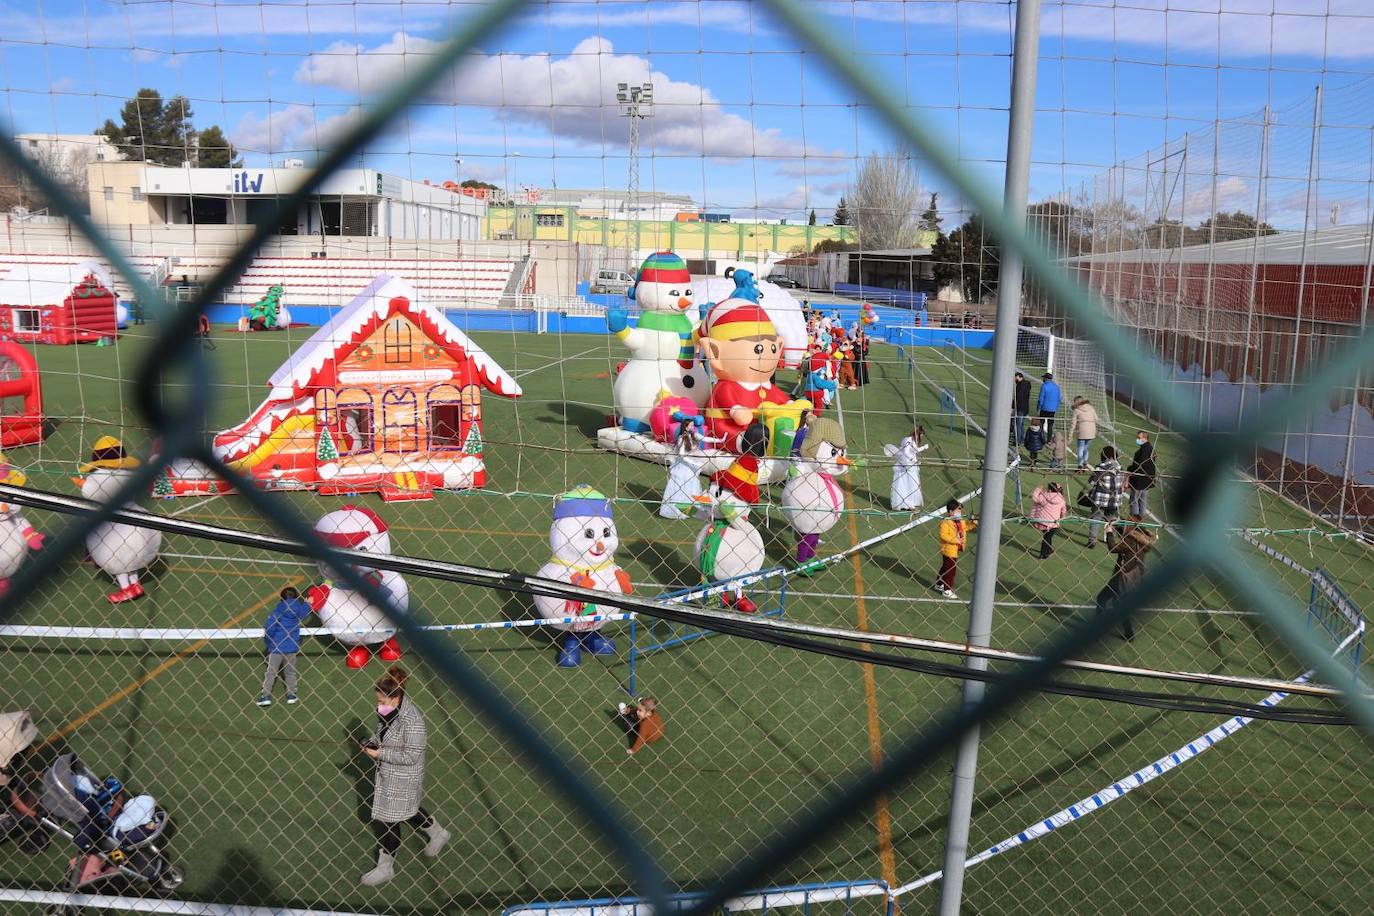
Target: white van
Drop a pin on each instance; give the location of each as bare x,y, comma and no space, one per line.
612,281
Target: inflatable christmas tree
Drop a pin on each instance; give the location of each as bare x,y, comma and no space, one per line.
265,314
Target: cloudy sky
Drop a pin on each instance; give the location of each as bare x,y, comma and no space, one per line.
745,121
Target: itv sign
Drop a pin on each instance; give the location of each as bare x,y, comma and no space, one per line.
244,185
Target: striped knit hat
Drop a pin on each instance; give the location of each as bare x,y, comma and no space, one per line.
663,267
733,319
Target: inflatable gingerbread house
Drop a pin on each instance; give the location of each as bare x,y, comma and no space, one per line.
57,303
386,397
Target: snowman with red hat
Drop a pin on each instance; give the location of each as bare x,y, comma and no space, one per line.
349,616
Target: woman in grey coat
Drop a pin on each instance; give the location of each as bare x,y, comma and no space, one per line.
398,746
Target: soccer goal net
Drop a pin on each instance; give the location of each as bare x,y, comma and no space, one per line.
1077,366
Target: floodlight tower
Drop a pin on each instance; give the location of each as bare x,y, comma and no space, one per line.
636,103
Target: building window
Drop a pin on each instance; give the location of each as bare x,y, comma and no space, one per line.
137,192
396,343
549,220
26,320
109,193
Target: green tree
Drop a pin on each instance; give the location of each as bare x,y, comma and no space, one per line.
811,220
139,132
1227,227
472,443
177,136
474,183
325,450
841,217
1061,227
163,485
930,217
214,151
967,258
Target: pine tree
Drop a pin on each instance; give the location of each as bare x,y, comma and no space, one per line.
326,452
931,219
162,487
214,151
473,443
811,220
841,217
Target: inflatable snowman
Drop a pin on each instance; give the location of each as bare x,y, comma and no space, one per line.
662,344
729,546
583,539
350,617
811,499
122,551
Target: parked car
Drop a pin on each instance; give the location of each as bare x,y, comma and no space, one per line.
612,281
782,280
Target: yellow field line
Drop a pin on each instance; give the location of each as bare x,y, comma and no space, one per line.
138,683
882,813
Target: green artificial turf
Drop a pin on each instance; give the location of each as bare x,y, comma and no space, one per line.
270,804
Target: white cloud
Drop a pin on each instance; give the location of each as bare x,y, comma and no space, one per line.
293,129
815,167
1236,28
189,19
573,97
715,15
1226,194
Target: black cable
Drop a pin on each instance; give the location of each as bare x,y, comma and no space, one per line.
520,583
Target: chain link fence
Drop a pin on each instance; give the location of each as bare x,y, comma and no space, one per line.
1211,762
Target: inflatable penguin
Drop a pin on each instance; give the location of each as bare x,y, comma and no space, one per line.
350,617
122,551
729,546
583,539
17,536
811,499
684,483
662,344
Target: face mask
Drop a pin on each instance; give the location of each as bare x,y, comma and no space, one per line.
384,709
956,515
1139,441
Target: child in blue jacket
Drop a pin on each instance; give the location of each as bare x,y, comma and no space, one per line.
283,639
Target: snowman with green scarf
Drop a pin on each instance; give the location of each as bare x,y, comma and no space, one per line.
662,344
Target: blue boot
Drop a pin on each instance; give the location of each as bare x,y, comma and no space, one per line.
598,644
570,655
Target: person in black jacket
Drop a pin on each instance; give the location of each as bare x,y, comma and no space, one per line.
1020,407
1141,474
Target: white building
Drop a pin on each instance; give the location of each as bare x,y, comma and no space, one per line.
352,202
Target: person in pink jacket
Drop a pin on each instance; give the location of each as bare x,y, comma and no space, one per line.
1048,506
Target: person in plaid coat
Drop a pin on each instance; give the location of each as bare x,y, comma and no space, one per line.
398,746
1105,487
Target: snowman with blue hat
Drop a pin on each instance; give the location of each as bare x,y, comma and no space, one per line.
583,539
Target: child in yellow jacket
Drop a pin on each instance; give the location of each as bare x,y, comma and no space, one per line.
954,529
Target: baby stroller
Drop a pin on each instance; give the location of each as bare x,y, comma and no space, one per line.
117,838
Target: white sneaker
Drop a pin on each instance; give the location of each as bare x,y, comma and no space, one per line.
383,873
438,837
949,593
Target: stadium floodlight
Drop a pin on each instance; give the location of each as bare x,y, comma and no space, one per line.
636,103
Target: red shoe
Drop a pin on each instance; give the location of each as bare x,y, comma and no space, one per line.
358,657
4,585
135,590
121,596
390,651
741,604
